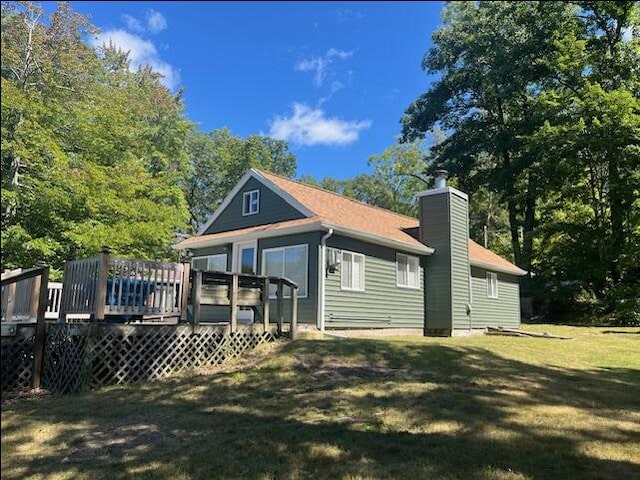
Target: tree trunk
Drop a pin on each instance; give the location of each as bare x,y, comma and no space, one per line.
513,227
617,220
527,240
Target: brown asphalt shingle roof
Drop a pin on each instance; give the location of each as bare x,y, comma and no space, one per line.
346,212
350,213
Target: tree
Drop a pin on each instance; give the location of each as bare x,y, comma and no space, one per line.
92,153
489,57
540,103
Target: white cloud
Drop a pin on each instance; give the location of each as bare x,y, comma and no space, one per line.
336,86
341,54
627,34
132,23
346,15
308,126
156,22
319,64
141,52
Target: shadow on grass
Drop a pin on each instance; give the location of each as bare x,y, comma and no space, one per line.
327,409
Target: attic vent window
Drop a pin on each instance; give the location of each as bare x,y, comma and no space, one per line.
251,202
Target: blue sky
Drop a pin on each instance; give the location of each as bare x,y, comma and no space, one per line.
333,79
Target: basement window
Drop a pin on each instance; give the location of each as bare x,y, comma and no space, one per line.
251,202
492,285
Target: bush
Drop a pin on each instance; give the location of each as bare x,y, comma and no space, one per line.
623,301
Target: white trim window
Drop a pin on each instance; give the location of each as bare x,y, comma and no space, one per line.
250,202
407,271
492,285
216,262
352,271
291,262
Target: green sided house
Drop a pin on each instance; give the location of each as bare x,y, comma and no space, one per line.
359,266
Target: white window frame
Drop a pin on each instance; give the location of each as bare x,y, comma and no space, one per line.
409,258
342,262
209,257
282,249
492,285
251,202
236,260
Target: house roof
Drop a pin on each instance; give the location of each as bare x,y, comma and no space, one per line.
346,212
325,209
485,258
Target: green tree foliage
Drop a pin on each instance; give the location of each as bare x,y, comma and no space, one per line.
540,103
397,175
219,159
92,153
95,154
489,56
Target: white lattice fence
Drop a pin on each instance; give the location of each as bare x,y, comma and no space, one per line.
89,356
16,359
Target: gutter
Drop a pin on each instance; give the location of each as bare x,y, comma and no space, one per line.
303,228
322,275
516,271
379,240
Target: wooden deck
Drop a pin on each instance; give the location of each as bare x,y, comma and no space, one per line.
99,332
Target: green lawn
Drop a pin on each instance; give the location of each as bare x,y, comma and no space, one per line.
481,407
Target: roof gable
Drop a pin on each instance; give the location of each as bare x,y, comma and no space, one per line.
275,206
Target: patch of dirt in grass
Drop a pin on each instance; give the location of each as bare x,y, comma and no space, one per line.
334,368
22,394
115,441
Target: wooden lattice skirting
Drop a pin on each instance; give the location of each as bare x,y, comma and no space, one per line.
85,356
16,360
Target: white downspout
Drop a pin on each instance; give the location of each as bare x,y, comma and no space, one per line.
322,277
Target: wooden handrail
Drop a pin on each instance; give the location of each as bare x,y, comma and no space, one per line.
272,279
286,281
14,277
235,284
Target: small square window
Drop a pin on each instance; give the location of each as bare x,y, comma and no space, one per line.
492,285
407,271
251,202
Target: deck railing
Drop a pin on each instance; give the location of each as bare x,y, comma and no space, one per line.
143,288
239,289
40,301
55,298
103,285
20,298
17,298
